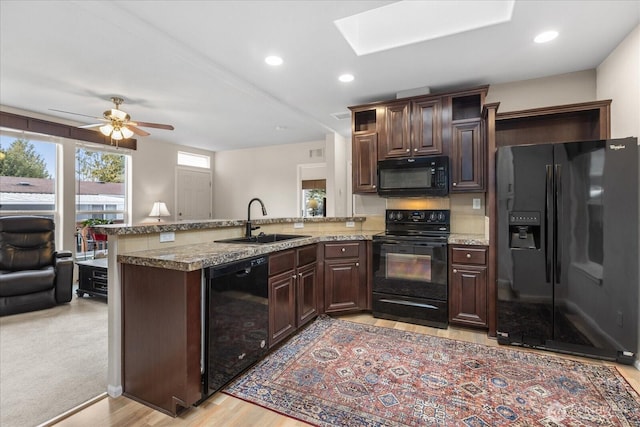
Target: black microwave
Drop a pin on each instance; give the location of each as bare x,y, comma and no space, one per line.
414,177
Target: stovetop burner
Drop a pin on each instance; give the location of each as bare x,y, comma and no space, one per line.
425,223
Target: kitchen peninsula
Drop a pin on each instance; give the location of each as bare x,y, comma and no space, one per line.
155,277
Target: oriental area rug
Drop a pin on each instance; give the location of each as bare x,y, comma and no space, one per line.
340,373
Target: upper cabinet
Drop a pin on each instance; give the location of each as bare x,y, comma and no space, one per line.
446,123
412,128
365,125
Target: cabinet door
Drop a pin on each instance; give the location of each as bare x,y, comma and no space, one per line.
307,297
344,291
467,157
426,128
468,295
396,137
365,163
282,308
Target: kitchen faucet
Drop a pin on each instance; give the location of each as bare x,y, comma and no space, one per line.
249,228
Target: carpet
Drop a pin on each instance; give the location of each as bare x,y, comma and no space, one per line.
339,373
52,361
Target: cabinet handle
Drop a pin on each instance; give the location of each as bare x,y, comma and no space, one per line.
455,270
357,264
468,256
415,149
407,150
294,277
374,186
343,249
454,184
300,274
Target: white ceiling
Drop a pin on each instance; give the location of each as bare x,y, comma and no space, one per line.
199,65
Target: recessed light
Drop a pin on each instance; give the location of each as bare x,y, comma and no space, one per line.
346,78
273,60
545,37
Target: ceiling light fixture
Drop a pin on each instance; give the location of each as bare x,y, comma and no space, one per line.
346,78
545,37
273,60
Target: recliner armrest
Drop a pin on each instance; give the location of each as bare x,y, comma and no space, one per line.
63,254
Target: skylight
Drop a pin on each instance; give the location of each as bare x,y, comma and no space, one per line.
409,21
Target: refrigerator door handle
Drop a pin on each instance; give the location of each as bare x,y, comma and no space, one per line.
557,209
547,221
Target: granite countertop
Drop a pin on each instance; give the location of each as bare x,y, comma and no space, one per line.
203,255
468,239
161,227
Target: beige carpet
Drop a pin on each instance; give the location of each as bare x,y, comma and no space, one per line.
52,360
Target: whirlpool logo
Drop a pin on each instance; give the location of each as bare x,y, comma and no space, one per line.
617,147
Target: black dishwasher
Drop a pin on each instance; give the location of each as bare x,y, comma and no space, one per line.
236,320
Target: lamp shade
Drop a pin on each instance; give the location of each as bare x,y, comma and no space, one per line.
159,209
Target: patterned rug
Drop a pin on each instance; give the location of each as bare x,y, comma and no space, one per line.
339,373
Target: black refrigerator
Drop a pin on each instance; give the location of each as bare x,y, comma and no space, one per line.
568,273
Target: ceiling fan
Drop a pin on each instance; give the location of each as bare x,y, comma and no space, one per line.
117,124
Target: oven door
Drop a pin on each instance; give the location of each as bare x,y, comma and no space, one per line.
412,268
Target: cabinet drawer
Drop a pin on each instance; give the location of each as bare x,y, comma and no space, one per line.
280,262
341,250
307,255
469,255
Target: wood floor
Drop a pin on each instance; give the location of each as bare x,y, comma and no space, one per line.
224,410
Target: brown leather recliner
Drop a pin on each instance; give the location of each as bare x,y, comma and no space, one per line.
33,276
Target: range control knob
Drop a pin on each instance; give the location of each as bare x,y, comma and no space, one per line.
441,216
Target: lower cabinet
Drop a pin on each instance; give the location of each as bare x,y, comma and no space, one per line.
345,277
161,337
293,291
468,286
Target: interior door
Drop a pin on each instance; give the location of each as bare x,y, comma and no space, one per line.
193,194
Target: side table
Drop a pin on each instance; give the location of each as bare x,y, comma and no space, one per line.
92,277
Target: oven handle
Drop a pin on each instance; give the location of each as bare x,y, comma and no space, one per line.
410,242
409,303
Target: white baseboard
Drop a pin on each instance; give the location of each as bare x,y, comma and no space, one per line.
114,391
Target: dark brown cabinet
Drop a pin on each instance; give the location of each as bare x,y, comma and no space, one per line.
366,124
161,337
467,156
412,129
395,142
293,291
441,124
427,127
345,277
468,286
365,162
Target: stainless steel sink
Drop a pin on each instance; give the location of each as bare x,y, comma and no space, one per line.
262,238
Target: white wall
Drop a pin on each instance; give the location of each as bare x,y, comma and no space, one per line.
269,173
570,88
154,176
619,79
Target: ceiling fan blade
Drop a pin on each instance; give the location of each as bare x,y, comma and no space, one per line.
94,125
137,131
76,114
151,125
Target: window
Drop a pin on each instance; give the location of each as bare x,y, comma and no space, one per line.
193,160
314,197
100,196
28,170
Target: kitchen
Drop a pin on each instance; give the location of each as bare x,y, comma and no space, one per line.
231,194
357,235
